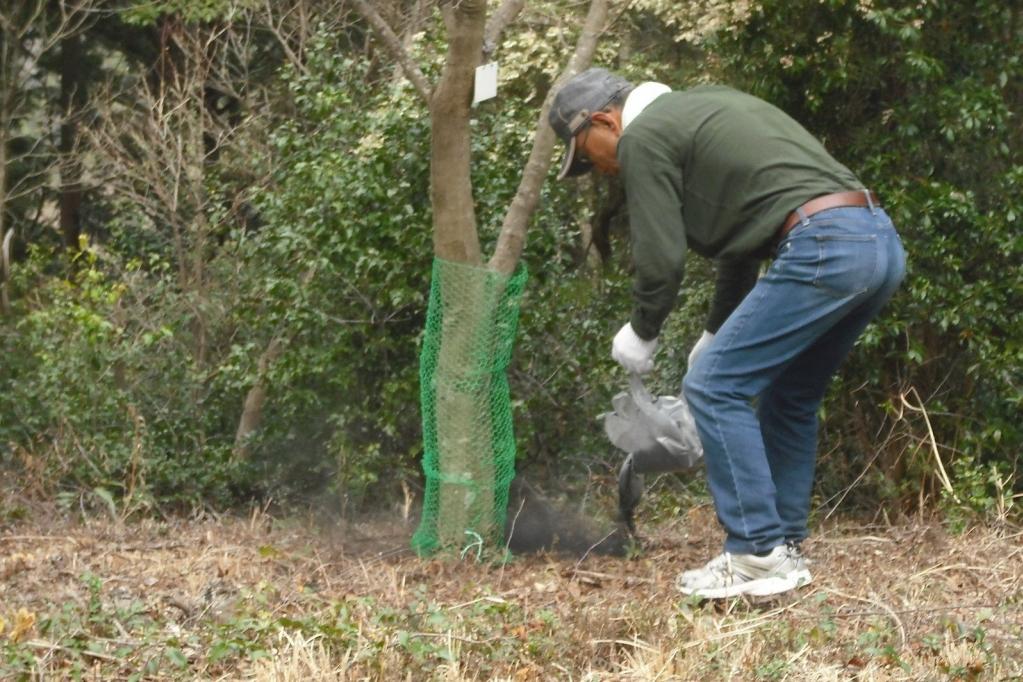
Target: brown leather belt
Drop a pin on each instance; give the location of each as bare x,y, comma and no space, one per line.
823,203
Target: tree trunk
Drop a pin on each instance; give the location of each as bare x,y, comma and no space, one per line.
465,435
5,237
255,399
5,268
8,92
71,97
454,215
468,473
590,257
469,302
5,251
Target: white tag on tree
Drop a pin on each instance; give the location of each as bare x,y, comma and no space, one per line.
486,83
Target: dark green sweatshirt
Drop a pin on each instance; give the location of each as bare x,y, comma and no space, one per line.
718,171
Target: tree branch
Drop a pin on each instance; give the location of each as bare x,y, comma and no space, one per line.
393,45
278,32
512,239
499,21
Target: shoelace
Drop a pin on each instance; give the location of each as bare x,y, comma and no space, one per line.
794,552
722,566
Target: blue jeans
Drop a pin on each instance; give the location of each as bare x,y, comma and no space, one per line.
780,347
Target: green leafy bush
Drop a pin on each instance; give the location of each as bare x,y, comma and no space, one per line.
98,394
920,100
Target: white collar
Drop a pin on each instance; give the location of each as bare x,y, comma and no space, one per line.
638,100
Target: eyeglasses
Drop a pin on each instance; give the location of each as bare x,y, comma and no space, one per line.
584,121
581,142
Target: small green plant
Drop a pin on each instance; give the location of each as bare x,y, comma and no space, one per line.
774,669
982,492
878,641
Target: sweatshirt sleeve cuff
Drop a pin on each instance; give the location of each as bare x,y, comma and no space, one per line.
645,328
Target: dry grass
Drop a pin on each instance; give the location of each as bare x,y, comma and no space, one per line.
290,599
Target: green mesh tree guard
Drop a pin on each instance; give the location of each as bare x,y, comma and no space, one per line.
468,442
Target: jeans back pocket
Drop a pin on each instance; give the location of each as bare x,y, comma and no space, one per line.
846,263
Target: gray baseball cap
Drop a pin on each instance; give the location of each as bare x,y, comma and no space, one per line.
583,95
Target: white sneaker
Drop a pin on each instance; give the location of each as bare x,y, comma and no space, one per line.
730,575
695,575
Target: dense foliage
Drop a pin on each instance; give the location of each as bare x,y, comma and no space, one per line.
922,99
288,268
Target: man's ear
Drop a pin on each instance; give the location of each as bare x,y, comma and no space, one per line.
606,119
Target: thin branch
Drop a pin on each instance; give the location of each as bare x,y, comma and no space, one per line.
277,29
499,21
942,474
414,22
393,44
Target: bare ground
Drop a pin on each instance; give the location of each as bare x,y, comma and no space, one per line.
259,597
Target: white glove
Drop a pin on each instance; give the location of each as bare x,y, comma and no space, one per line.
632,352
701,344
